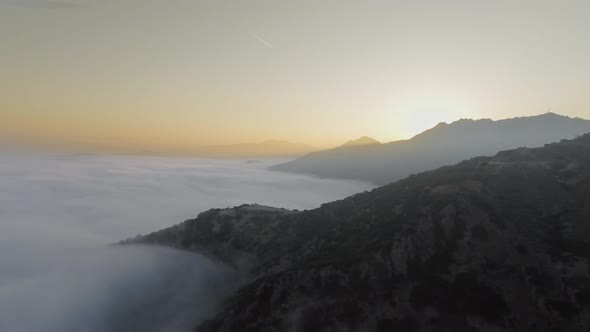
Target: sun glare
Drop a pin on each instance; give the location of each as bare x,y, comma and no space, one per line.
415,112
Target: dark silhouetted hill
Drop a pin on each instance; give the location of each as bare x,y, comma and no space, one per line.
442,145
491,244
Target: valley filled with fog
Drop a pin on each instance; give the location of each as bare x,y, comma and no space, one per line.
60,213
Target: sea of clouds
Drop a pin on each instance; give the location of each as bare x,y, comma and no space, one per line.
60,212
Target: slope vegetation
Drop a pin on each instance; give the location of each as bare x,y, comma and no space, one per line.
491,244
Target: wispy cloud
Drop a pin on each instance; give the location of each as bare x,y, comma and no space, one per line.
267,44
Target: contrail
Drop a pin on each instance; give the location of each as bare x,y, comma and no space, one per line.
46,4
261,40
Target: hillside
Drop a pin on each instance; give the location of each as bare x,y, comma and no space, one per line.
442,145
491,244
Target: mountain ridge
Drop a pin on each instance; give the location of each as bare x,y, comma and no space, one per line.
490,244
361,141
441,145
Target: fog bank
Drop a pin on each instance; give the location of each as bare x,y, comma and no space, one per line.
115,289
59,213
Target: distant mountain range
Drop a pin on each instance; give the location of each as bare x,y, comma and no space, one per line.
365,140
269,148
444,144
491,244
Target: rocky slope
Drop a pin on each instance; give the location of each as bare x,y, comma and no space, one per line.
442,145
491,244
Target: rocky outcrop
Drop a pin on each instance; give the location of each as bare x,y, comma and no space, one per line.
491,244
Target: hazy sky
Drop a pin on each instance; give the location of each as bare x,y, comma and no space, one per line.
184,72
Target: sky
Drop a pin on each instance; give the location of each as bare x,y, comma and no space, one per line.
176,74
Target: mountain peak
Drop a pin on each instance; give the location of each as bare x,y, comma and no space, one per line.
444,144
552,115
473,127
364,140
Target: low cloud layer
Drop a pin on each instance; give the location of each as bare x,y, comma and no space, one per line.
115,289
59,213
